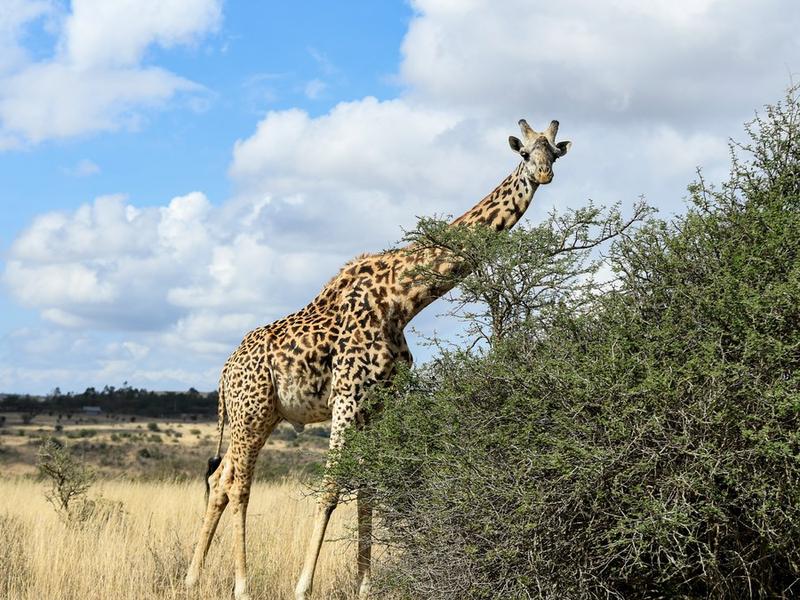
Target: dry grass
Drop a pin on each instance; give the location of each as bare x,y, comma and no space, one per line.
144,552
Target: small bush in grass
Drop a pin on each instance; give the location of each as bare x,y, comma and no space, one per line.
69,479
153,427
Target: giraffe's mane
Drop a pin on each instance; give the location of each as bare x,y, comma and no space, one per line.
347,265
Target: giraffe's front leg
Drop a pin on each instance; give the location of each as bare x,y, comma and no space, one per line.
343,416
364,501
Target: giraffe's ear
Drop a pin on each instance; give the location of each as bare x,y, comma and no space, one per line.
515,144
563,148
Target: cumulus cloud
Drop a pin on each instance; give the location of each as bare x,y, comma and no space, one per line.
369,166
182,272
95,80
100,33
13,18
686,61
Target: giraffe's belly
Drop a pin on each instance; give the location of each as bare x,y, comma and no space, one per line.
302,399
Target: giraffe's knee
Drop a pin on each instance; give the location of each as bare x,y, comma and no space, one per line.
327,501
219,483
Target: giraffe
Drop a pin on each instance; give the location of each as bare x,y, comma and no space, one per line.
317,363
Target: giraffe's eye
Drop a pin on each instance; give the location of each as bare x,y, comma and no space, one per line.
524,155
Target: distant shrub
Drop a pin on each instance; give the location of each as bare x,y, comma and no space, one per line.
322,432
284,433
153,427
81,433
150,452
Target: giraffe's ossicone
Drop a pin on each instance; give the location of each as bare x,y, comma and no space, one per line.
317,363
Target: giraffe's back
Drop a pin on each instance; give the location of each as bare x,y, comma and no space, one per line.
291,361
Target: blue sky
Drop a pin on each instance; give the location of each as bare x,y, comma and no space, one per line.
177,172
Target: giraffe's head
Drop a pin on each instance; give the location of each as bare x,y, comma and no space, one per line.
539,151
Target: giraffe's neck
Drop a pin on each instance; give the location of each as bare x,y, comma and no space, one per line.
500,210
505,205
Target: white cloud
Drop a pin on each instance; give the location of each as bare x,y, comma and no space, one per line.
13,18
66,283
178,272
368,166
675,153
99,33
606,62
95,81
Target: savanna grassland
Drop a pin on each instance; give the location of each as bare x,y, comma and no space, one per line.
148,498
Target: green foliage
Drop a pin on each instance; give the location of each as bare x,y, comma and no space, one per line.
643,444
512,277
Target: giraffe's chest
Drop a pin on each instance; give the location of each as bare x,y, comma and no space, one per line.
303,392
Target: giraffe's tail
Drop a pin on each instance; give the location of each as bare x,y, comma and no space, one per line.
214,462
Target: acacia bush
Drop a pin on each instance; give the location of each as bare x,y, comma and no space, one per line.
644,444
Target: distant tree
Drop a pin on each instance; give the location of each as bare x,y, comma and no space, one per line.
69,479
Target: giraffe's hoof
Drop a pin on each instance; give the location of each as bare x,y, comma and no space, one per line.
190,580
241,595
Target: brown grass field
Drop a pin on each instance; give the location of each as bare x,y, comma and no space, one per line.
143,550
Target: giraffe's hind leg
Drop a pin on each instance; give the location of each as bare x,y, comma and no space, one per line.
218,482
244,452
250,407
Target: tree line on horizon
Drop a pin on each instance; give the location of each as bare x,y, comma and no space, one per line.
126,400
